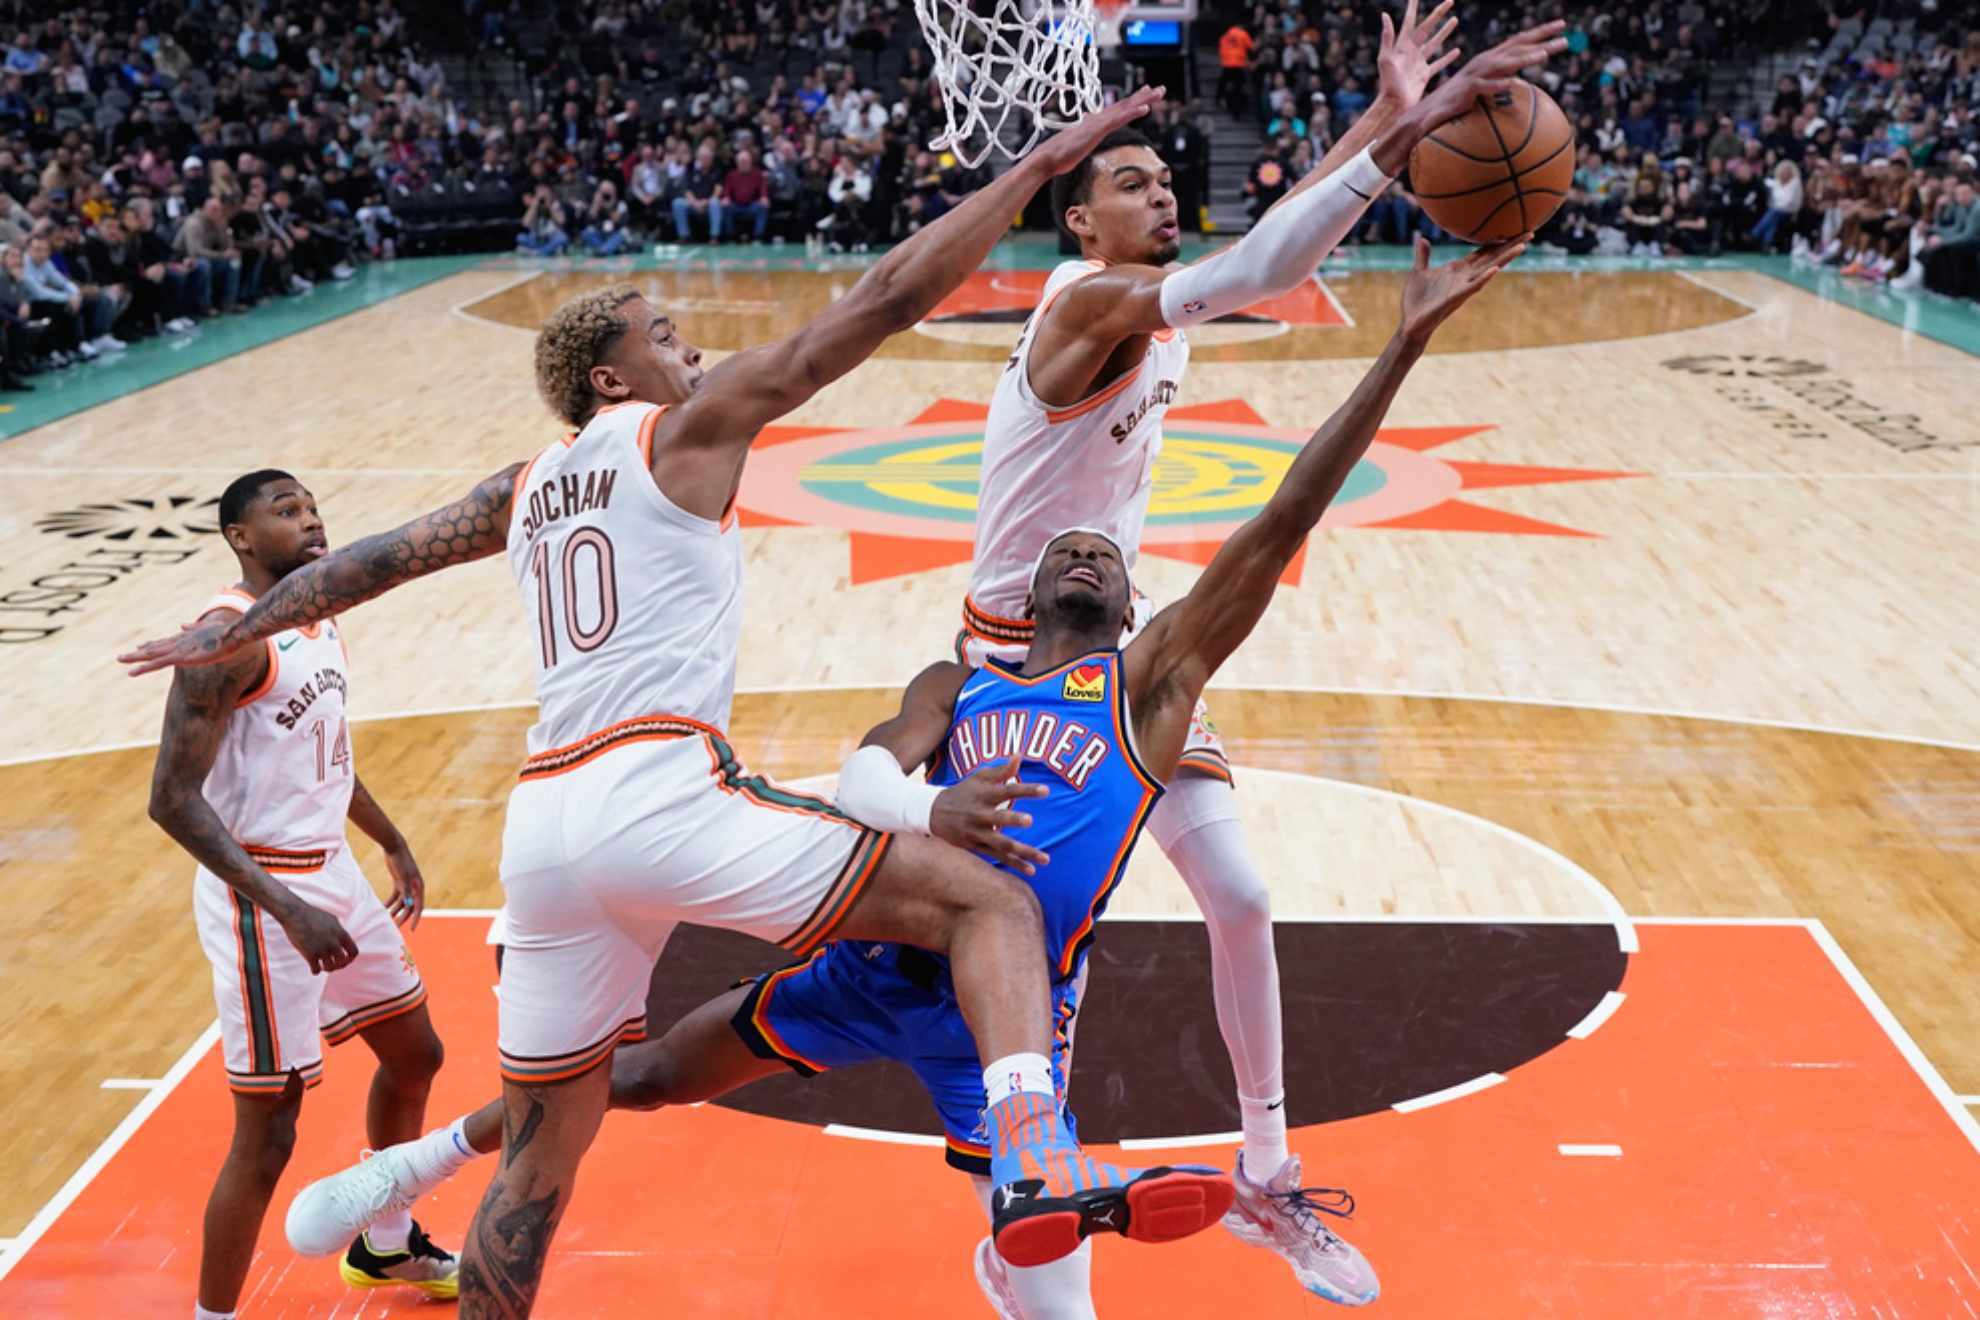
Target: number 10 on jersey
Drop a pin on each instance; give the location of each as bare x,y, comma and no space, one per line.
590,591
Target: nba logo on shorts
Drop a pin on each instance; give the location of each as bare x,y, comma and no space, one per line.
1087,683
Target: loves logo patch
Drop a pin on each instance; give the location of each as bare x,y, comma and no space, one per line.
1087,683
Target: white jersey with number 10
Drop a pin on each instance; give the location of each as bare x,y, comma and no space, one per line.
636,604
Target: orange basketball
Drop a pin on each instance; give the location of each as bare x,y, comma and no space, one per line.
1498,170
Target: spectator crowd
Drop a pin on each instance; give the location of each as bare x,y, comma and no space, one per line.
1861,156
165,163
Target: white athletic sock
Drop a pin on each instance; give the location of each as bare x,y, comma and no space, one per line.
1017,1072
1196,825
1264,1136
439,1155
389,1233
201,1313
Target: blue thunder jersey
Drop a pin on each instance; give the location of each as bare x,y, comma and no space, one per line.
855,1002
1069,730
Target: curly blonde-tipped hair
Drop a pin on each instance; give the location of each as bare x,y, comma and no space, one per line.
571,343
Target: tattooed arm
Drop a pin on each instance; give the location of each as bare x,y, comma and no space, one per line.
196,715
408,885
470,528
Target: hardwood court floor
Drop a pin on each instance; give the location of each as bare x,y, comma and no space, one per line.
1652,601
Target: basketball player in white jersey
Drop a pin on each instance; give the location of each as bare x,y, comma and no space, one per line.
633,812
255,779
1074,430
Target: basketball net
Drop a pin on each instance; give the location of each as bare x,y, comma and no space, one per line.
1042,66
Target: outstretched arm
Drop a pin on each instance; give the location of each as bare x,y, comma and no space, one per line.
471,528
1291,240
1172,659
755,387
875,790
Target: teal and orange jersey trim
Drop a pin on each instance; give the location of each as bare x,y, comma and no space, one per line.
257,991
752,1022
642,728
982,624
869,849
286,861
1204,761
370,1015
526,1070
273,1084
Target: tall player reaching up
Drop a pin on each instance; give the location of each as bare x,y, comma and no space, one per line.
1074,429
255,779
632,812
1099,762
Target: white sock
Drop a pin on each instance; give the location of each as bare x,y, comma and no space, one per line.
1017,1072
1196,825
1264,1136
389,1233
439,1155
201,1313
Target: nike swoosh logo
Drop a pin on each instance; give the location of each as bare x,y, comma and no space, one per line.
1357,192
283,646
969,692
1276,1105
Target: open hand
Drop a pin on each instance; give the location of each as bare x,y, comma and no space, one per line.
1433,293
1493,72
198,644
1409,57
975,813
1069,147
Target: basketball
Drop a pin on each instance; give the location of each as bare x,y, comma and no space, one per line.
1500,170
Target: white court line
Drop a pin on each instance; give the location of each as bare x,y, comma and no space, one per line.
1721,921
129,1083
1610,1002
109,1146
1612,1152
880,1134
1895,1030
1347,317
1179,1143
460,308
1448,1094
1968,1099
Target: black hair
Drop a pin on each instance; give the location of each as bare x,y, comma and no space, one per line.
1075,186
241,491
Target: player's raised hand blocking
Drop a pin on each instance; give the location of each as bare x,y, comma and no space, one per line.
1068,148
1432,293
1414,53
975,813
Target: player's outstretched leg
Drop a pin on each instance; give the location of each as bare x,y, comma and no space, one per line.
1197,826
1049,1195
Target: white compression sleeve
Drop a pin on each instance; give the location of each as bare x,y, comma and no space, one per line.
1282,250
876,792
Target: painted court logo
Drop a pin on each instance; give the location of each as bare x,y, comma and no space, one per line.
158,518
1086,683
908,494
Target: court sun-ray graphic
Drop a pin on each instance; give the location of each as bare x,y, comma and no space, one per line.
907,494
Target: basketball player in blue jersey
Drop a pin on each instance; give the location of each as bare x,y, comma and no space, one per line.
1093,732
